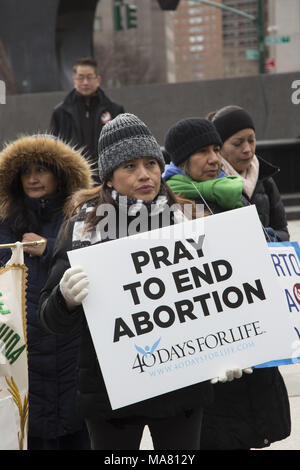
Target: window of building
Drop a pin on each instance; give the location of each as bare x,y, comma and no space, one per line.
195,11
197,20
198,47
196,29
196,38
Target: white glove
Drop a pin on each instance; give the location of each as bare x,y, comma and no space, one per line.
231,374
73,286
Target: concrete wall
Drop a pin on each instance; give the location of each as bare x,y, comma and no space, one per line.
267,98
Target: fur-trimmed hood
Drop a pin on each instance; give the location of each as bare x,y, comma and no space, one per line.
41,149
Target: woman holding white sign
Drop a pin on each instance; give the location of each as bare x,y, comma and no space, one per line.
130,168
252,411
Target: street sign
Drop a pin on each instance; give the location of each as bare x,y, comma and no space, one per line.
252,54
270,40
270,64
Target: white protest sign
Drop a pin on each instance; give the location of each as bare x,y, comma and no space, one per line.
286,262
165,311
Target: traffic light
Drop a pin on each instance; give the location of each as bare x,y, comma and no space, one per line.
125,15
118,24
131,16
168,4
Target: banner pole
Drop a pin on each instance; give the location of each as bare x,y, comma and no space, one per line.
13,245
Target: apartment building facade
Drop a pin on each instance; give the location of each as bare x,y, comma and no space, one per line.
198,45
195,42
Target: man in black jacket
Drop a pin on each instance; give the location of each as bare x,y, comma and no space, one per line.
79,119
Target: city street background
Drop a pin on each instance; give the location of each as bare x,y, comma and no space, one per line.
291,375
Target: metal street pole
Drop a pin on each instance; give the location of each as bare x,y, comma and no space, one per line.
257,20
225,7
260,37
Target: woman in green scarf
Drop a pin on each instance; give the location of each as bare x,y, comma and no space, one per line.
251,412
193,146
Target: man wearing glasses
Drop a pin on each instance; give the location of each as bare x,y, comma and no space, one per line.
85,110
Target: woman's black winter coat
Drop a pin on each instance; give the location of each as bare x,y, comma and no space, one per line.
51,359
253,411
268,202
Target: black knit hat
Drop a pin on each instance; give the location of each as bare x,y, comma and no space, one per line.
125,138
187,136
230,120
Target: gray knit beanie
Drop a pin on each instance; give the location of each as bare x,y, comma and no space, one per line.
125,138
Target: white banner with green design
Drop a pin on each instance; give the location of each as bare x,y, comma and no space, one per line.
13,354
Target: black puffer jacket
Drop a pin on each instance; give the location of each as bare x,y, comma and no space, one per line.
92,394
250,412
253,411
65,119
268,202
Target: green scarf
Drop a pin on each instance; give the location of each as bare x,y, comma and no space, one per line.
226,192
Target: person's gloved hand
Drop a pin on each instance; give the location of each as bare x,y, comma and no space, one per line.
271,234
231,374
73,286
